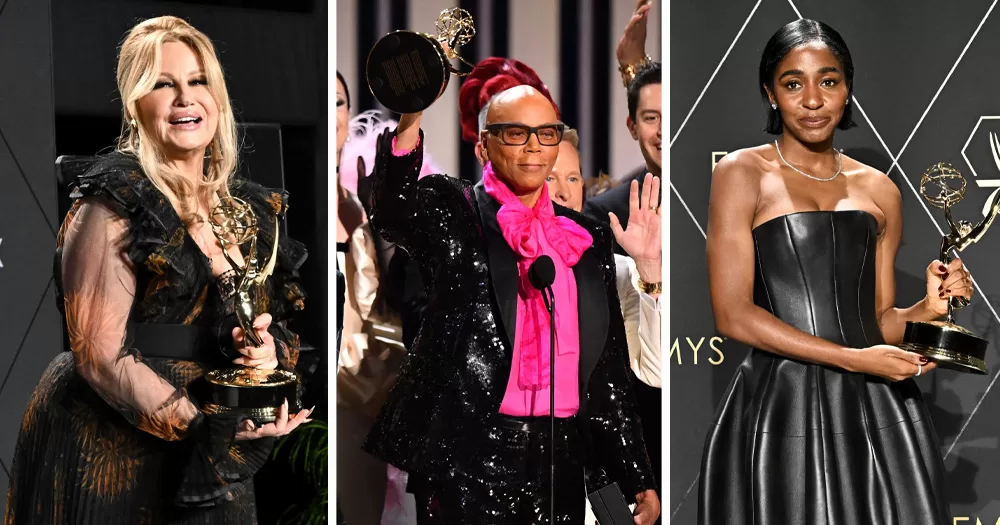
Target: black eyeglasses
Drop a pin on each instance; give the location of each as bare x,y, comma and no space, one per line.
518,134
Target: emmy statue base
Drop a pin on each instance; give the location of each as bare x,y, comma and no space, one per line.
253,392
934,339
945,342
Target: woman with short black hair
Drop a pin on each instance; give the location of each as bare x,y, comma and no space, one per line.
822,423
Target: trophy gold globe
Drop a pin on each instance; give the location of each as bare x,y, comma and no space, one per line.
945,342
407,70
252,392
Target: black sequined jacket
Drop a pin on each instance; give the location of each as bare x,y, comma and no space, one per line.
456,372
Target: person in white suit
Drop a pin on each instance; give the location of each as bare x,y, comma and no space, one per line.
639,274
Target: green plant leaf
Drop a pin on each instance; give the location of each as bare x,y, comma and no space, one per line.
306,451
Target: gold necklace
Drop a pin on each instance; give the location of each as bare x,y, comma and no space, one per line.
840,165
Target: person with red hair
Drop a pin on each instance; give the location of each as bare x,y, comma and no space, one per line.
468,418
491,76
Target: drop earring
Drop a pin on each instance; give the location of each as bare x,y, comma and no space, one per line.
135,131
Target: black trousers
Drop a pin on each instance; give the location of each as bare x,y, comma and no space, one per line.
512,488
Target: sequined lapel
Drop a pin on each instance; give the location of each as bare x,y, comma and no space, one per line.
503,263
592,305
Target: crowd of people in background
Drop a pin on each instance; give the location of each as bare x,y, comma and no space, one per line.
386,300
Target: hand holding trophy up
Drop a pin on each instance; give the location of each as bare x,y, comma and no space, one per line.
407,71
950,345
256,393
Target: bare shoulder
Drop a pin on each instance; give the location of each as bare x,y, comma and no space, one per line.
872,181
743,166
736,188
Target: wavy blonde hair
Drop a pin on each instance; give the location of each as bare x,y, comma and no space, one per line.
138,69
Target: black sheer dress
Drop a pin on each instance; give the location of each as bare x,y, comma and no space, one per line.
113,435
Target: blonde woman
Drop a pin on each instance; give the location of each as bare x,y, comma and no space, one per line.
113,432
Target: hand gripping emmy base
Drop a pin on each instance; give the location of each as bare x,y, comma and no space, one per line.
407,70
950,345
251,391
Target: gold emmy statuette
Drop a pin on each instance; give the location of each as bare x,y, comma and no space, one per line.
950,345
407,70
254,392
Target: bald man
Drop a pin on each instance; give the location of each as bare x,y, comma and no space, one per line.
468,417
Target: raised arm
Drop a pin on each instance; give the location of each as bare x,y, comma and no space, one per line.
631,49
642,241
642,323
421,216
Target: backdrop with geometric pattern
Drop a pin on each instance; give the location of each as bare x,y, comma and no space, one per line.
926,79
29,321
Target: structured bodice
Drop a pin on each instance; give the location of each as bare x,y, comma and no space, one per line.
816,272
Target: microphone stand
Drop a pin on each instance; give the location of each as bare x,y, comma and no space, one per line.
550,305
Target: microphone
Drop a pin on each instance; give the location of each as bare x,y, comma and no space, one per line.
608,502
541,274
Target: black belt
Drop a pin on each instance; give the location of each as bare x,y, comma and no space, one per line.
175,341
530,424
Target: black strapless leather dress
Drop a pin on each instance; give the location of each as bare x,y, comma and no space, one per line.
799,443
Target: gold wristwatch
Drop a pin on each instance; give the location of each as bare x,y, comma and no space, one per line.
650,288
628,71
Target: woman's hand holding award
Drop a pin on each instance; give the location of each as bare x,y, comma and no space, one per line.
950,345
255,392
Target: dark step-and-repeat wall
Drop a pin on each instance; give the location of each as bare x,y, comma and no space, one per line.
59,97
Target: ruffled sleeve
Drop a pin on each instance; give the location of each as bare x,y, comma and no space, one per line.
216,462
285,295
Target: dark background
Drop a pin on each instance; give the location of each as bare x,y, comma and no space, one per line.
921,101
59,96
